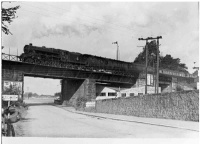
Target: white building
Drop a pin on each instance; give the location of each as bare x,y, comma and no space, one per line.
107,93
112,92
138,91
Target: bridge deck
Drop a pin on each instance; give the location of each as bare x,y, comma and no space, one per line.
36,70
53,69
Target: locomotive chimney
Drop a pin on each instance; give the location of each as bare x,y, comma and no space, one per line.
30,44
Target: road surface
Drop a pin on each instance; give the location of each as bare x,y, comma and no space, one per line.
46,120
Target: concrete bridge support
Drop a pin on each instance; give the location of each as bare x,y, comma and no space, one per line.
73,88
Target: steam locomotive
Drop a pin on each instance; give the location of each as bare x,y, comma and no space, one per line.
64,58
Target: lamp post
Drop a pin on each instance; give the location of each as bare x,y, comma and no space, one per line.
117,55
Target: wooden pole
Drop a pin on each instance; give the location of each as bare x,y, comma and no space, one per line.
146,66
154,71
157,76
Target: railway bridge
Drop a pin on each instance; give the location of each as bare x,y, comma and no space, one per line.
82,81
76,81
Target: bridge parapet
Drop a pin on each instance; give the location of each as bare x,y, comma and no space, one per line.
97,69
94,69
10,57
176,73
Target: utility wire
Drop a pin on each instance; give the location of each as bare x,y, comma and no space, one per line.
89,17
122,26
123,32
68,16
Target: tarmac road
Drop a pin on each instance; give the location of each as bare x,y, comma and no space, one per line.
46,120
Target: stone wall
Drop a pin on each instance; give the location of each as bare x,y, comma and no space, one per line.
177,105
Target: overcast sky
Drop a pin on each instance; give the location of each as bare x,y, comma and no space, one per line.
91,28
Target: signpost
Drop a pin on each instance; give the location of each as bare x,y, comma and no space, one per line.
12,90
10,97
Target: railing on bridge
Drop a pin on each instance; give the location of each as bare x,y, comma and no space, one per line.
80,67
175,73
94,69
10,57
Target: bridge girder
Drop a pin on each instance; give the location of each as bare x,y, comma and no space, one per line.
60,73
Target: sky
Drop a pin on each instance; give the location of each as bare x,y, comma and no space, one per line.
90,28
41,86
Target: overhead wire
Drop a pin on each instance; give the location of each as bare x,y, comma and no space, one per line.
122,26
68,16
91,17
54,17
70,21
122,32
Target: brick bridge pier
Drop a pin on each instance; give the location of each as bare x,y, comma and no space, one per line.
72,89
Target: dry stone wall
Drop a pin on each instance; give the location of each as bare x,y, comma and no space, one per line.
177,105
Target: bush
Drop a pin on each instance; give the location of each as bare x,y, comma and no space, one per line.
81,102
19,104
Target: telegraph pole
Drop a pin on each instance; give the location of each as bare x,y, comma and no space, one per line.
157,75
146,47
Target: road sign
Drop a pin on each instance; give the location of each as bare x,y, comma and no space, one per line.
10,97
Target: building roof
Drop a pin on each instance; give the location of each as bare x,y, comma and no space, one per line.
116,89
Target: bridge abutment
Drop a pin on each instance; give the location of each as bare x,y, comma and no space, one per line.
73,88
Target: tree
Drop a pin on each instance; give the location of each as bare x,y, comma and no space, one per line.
8,14
172,63
141,58
30,94
166,62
